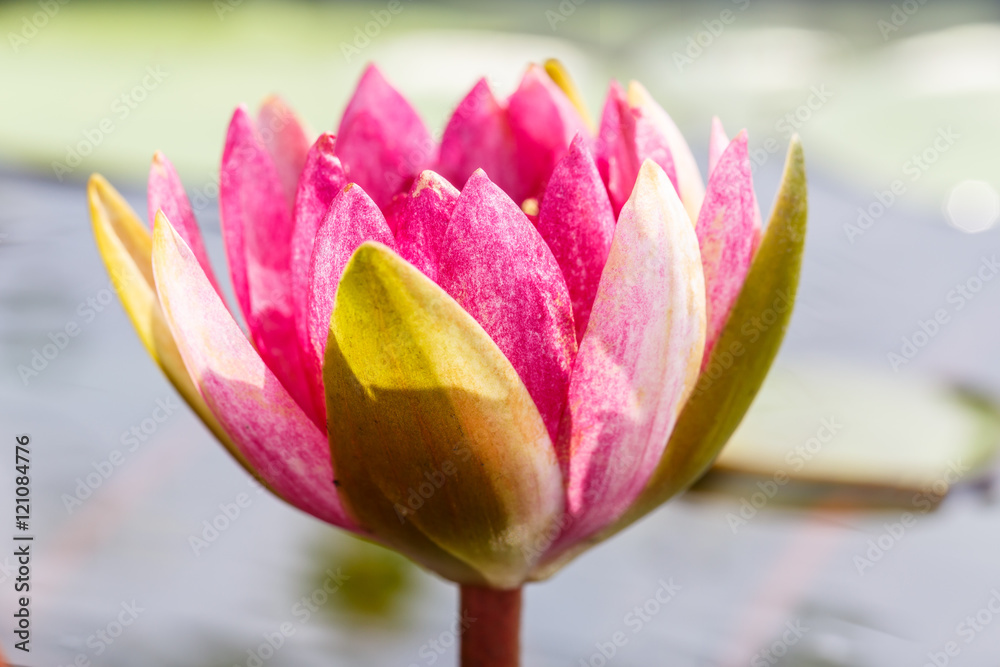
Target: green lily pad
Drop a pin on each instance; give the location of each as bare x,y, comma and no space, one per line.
863,429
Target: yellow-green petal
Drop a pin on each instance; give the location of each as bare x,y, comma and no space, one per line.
438,447
740,361
560,76
126,246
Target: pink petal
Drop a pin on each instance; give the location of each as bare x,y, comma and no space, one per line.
165,192
609,150
638,360
498,267
718,140
257,229
717,143
419,220
668,144
352,219
322,180
627,137
479,136
617,159
266,424
576,220
382,141
287,140
544,122
726,234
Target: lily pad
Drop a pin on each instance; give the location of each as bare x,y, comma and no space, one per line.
869,431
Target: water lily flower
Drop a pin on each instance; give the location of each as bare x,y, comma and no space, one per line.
488,352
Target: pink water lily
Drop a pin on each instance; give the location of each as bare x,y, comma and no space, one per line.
488,353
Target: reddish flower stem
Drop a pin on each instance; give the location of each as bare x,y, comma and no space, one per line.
492,627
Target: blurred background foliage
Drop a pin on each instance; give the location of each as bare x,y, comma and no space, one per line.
889,87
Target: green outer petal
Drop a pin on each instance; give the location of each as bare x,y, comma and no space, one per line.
717,406
438,447
126,247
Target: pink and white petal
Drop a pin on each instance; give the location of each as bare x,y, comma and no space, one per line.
257,230
352,219
479,136
419,220
577,223
718,141
277,439
688,179
726,234
646,138
638,361
544,122
166,192
382,141
322,180
287,140
498,267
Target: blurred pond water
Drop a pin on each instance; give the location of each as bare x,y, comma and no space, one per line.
207,604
